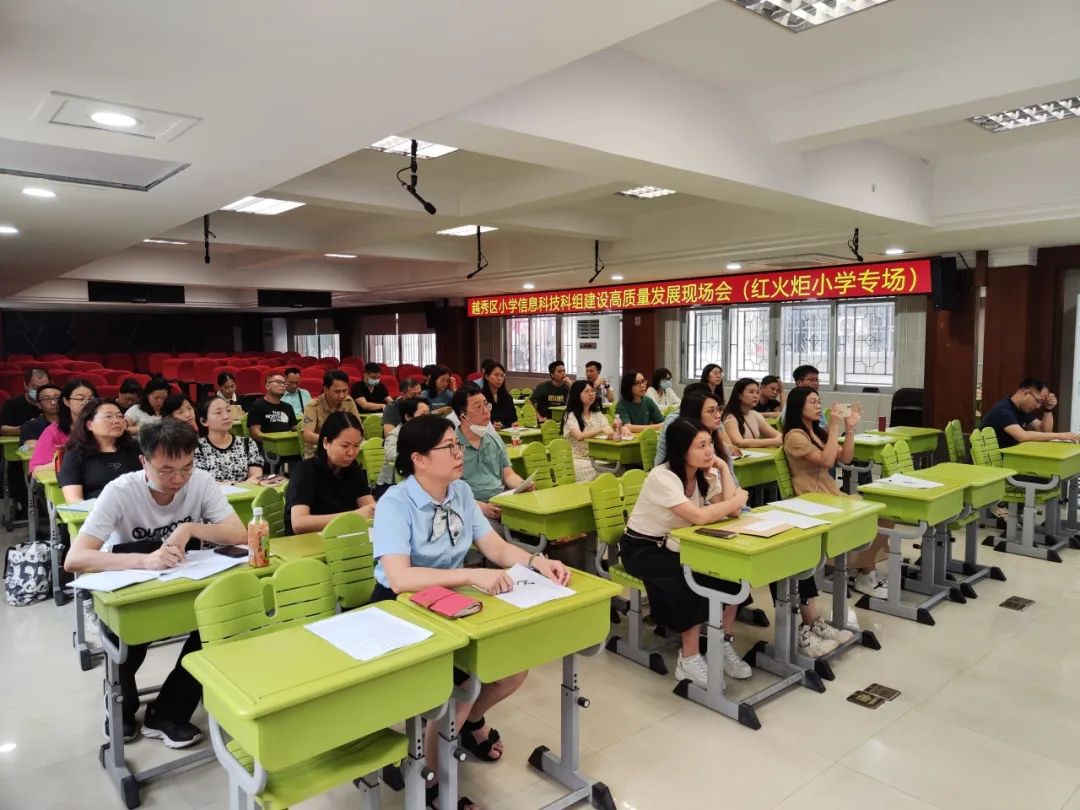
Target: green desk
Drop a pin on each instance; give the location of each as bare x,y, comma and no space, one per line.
279,446
754,561
241,501
548,514
622,452
925,509
850,529
10,445
298,546
557,412
136,615
868,446
45,477
505,640
1058,462
516,460
527,435
921,441
288,696
759,470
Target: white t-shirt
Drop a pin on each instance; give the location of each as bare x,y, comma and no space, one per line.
126,511
137,416
662,490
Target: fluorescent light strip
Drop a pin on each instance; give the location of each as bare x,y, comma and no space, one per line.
265,206
646,192
9,230
163,242
396,145
339,255
465,230
895,251
802,15
1044,113
43,193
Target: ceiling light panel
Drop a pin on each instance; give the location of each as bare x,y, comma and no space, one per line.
1045,113
646,192
396,145
113,117
465,230
163,242
265,206
801,15
340,255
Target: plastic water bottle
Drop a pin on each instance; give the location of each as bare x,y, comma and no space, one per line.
258,537
617,427
515,435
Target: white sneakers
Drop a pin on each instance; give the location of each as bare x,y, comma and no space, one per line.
91,626
813,645
872,584
823,630
696,670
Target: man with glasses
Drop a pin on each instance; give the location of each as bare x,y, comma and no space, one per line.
269,414
295,397
487,465
48,398
146,520
1026,416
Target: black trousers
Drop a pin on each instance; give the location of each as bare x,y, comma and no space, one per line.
179,694
808,589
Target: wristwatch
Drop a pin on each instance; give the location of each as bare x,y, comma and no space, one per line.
532,557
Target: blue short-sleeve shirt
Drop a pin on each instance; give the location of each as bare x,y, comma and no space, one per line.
403,525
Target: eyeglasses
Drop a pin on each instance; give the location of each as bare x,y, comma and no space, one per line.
79,399
48,399
639,382
455,448
112,416
480,407
171,472
713,411
275,382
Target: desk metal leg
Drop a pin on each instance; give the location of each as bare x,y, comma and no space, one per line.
968,571
85,652
564,767
450,753
781,658
838,588
892,603
31,508
928,577
1027,545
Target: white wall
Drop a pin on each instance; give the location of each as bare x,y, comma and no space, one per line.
1068,349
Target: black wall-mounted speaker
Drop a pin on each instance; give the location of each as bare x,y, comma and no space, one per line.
117,292
946,283
294,299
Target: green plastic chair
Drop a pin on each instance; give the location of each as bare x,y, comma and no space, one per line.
985,452
550,431
372,425
528,415
526,392
648,440
244,432
535,459
896,458
515,393
373,457
608,515
562,462
632,480
783,476
350,558
239,605
273,509
954,441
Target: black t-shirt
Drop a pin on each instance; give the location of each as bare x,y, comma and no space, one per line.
17,412
32,430
1005,413
392,413
270,417
378,394
94,472
547,395
768,406
502,407
324,491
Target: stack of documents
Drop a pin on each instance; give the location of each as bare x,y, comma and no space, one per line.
369,633
901,480
532,589
804,507
196,565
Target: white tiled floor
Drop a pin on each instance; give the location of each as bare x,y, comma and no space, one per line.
989,717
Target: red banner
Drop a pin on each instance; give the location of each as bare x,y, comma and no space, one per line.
846,281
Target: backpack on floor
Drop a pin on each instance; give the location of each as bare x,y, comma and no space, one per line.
26,573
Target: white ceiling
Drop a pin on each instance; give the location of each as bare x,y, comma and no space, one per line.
778,143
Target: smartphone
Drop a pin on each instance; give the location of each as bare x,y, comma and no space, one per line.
232,551
722,534
270,480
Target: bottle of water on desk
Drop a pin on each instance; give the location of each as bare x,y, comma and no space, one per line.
617,427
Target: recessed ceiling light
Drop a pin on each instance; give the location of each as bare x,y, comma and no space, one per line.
396,145
8,230
1044,113
801,15
895,252
734,266
465,230
7,748
44,193
261,205
616,278
339,255
528,285
114,119
163,242
646,192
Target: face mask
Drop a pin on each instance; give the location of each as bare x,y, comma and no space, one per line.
665,384
373,381
479,430
32,393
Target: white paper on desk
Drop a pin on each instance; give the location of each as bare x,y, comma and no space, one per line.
901,480
108,581
804,507
367,634
532,589
873,438
81,506
200,565
229,489
521,487
792,518
753,454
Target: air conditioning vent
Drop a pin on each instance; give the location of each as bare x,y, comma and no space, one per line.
588,329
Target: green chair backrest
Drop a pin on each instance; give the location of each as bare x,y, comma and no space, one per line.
550,431
273,509
515,393
648,440
372,456
954,440
783,476
610,414
562,462
372,425
896,458
350,558
631,488
242,604
982,453
244,432
535,459
526,392
607,509
528,415
993,449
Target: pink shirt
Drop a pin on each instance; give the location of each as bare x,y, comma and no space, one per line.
46,447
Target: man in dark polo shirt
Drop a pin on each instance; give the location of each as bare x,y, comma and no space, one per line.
370,394
1026,416
551,393
269,414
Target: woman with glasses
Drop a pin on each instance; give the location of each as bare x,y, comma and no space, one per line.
149,408
438,390
744,426
426,526
98,451
230,459
636,410
73,398
661,391
701,405
713,376
331,482
581,423
179,406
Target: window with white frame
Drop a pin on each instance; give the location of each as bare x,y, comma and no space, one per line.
383,349
704,340
531,343
750,342
318,343
806,339
399,347
865,342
